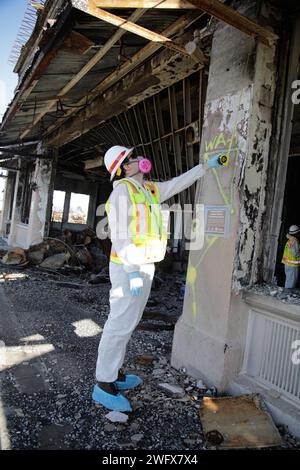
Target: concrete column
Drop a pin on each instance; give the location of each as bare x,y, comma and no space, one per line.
14,216
237,122
40,200
7,201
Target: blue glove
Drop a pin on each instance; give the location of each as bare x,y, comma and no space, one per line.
214,162
135,283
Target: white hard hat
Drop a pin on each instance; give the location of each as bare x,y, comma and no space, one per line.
114,157
294,229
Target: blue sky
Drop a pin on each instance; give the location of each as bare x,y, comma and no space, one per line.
11,15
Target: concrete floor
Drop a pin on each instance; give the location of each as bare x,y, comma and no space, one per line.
51,336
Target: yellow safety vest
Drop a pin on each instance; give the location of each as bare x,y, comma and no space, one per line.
288,257
147,229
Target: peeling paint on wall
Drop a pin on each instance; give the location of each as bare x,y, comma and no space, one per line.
39,203
254,179
225,130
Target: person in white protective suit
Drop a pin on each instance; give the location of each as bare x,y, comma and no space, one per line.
138,241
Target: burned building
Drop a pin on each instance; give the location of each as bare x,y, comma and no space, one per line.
180,81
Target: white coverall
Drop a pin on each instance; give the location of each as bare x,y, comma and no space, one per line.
126,310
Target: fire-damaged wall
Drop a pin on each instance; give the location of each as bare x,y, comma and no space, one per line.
209,338
253,182
26,231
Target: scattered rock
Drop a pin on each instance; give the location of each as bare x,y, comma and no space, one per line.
16,256
117,417
99,279
137,437
190,442
172,390
201,385
144,359
109,427
158,422
36,257
55,261
134,427
158,372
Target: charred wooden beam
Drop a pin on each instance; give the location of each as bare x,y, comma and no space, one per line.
82,72
159,4
164,70
213,7
232,17
134,61
91,8
77,43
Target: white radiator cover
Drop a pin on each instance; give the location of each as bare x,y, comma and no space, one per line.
269,352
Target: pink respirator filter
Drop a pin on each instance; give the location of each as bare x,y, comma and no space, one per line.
144,165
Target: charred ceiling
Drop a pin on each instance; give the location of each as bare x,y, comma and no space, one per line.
67,64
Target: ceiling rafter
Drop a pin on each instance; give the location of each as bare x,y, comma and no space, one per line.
85,69
214,8
133,62
92,9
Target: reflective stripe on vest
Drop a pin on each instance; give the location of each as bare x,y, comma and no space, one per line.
143,229
288,257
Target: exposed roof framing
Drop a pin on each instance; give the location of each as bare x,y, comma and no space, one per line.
131,64
159,4
234,18
164,70
80,56
91,8
213,7
85,69
37,66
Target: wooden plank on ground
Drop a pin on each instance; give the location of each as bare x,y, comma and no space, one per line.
241,421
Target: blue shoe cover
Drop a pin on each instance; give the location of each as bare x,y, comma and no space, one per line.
131,381
112,402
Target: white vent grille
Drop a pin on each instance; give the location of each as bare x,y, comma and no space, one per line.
269,353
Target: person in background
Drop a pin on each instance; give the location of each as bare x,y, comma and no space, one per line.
291,257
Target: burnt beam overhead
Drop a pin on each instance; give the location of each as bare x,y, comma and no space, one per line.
214,8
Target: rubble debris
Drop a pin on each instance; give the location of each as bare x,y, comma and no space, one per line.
36,257
145,360
99,279
15,256
241,421
117,417
109,427
49,246
200,384
84,257
67,269
13,277
210,392
172,390
82,250
55,261
291,296
54,311
70,285
159,316
150,326
137,437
